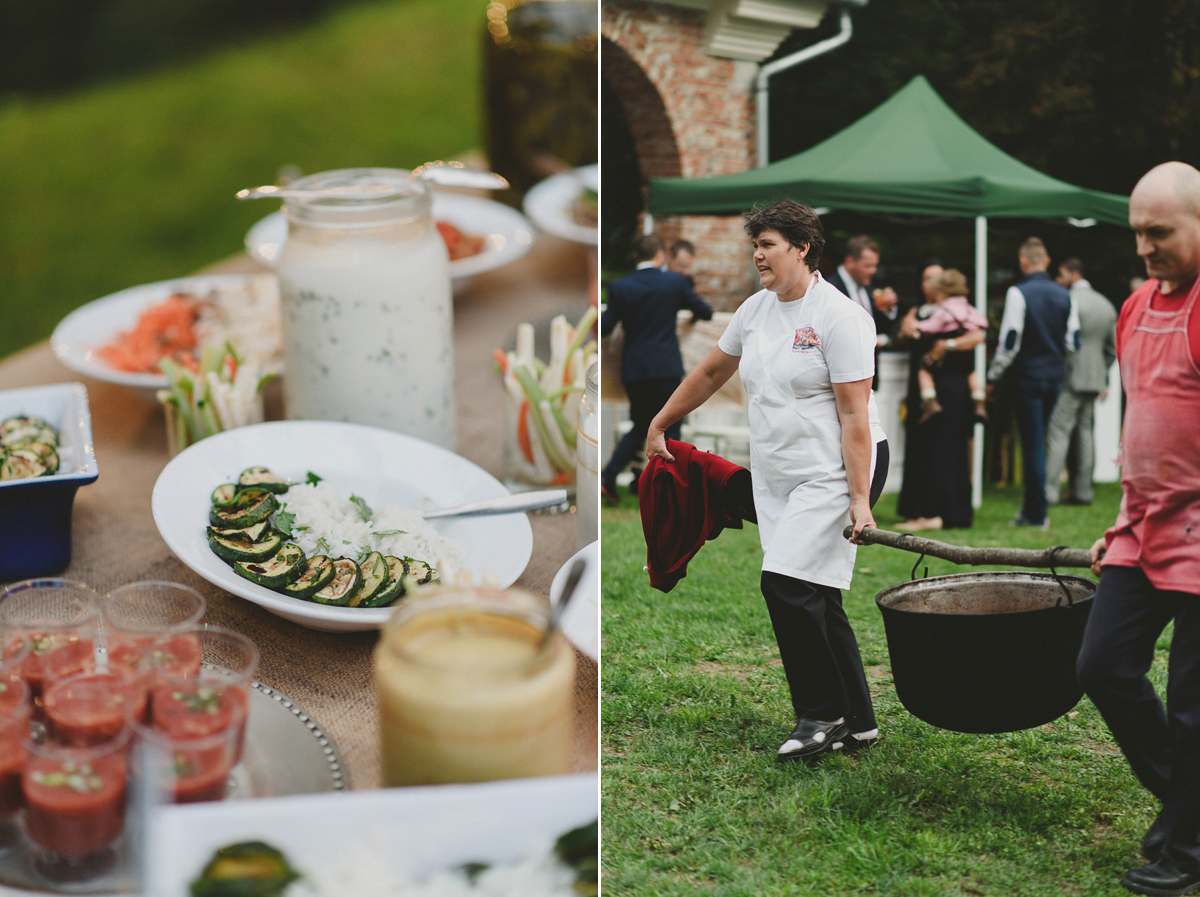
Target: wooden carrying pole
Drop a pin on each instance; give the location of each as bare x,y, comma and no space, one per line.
1060,556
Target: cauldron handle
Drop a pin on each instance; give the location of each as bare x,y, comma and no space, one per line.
912,577
965,554
1057,578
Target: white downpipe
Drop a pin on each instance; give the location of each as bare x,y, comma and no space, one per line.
980,356
771,68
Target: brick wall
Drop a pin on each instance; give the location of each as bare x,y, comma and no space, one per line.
692,115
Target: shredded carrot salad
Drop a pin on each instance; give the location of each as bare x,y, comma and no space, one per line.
162,331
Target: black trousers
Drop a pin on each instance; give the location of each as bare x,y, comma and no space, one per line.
1161,744
816,643
646,399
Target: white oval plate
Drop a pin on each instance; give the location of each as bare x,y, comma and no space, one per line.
549,203
507,233
78,335
581,619
381,466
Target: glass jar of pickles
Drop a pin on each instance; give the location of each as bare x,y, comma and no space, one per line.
540,87
469,691
364,282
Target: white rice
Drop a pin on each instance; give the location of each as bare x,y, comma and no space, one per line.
328,522
368,872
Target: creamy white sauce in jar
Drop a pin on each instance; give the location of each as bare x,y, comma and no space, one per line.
367,310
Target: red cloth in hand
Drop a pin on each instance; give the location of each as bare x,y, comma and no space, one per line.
687,502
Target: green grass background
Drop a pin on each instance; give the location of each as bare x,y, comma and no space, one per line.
134,181
694,707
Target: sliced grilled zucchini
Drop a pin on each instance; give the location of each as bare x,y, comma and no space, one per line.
236,545
287,564
16,431
347,580
255,533
421,572
224,495
374,571
250,507
19,464
316,576
394,590
47,452
262,478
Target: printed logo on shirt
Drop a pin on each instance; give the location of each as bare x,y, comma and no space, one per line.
806,338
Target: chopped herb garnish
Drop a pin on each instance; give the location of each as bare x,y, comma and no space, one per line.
391,532
364,509
81,780
284,521
472,871
323,544
312,479
203,700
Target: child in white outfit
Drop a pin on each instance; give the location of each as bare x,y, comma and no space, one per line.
952,315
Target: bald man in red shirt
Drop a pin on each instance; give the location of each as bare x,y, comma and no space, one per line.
1149,560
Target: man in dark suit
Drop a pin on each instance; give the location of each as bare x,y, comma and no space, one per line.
680,257
853,277
645,304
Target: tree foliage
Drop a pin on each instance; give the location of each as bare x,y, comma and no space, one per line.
1092,93
56,45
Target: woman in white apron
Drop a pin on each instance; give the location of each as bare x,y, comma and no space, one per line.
818,459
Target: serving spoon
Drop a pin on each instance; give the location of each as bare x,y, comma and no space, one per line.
450,174
568,592
519,501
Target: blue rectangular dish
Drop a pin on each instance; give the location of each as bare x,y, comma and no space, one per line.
35,514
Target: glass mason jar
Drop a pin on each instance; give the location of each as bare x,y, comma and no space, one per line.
367,316
587,460
467,691
540,87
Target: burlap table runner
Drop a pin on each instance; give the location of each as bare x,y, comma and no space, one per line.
327,674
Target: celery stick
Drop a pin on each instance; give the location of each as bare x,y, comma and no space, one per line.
552,416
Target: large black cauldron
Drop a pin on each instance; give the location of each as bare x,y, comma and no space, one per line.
987,652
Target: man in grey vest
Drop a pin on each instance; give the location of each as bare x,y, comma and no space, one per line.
1037,330
1071,434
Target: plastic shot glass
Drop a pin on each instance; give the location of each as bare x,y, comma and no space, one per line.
59,621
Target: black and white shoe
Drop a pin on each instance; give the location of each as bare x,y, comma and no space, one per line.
812,737
860,741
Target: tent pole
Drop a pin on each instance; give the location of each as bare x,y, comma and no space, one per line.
980,355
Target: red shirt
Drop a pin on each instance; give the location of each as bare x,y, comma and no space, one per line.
1150,292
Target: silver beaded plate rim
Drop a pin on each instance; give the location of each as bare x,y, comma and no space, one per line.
333,757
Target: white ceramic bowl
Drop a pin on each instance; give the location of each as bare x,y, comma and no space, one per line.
78,335
507,233
549,204
380,466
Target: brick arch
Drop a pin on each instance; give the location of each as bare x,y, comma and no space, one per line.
690,115
653,135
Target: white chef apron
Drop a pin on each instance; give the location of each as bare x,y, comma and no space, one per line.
801,493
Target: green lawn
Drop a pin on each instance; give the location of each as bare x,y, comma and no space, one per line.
134,182
695,706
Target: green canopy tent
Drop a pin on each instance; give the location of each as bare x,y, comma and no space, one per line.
911,155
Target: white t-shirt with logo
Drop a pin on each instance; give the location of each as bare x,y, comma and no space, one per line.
791,355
